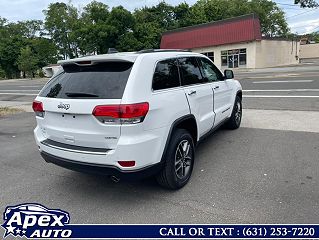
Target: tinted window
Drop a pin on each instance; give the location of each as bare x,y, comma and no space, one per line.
105,80
190,71
210,71
166,75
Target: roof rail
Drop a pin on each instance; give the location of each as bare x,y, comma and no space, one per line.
163,50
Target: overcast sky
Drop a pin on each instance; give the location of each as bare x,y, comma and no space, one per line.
299,20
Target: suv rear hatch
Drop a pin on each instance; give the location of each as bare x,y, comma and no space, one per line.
69,100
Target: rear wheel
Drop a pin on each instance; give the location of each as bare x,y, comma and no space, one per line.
235,119
179,161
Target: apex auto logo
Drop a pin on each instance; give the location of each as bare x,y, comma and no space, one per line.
64,106
35,221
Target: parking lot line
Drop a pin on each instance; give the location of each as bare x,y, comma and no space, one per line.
22,94
30,90
276,96
281,90
285,81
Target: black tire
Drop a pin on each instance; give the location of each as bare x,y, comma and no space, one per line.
178,165
235,119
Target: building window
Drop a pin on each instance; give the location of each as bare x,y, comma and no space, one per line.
242,59
234,58
224,60
210,55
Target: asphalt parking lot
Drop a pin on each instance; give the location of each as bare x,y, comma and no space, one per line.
267,171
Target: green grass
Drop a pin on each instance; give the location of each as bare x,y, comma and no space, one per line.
9,111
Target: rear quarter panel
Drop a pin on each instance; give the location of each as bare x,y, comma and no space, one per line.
165,106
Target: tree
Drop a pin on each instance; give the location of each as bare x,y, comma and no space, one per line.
27,61
92,34
307,3
151,22
32,28
60,22
120,22
17,36
128,42
2,73
11,40
44,50
272,18
183,15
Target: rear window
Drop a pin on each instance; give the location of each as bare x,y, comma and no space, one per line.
105,80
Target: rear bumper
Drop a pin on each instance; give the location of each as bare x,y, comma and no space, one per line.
144,147
102,169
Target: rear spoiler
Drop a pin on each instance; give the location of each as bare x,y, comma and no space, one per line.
87,61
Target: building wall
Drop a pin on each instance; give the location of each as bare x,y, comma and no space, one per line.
250,51
272,53
309,51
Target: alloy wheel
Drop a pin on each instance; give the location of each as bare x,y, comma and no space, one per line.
183,159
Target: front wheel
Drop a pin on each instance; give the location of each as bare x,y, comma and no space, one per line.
235,118
179,161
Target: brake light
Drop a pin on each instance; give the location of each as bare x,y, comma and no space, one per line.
122,113
127,163
38,108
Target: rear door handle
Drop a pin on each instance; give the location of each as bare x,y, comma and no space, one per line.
192,93
216,87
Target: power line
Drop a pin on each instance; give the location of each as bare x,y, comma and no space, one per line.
288,4
315,28
312,30
296,9
302,26
302,13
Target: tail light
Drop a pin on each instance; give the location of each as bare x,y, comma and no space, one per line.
122,113
38,108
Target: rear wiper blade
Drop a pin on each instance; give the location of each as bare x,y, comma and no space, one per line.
79,94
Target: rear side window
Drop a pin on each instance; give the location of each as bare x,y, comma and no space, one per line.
190,72
166,75
105,80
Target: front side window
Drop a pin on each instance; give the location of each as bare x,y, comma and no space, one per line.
210,71
190,72
166,75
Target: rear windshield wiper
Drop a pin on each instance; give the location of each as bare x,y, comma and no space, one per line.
79,94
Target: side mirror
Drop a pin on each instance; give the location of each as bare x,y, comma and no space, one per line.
229,74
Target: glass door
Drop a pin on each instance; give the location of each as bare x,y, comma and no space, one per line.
235,62
230,61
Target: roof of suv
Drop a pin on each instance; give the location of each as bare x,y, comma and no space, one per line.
129,56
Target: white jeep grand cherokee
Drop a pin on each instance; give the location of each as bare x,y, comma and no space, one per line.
131,115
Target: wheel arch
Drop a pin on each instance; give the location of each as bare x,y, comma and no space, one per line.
187,122
239,94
